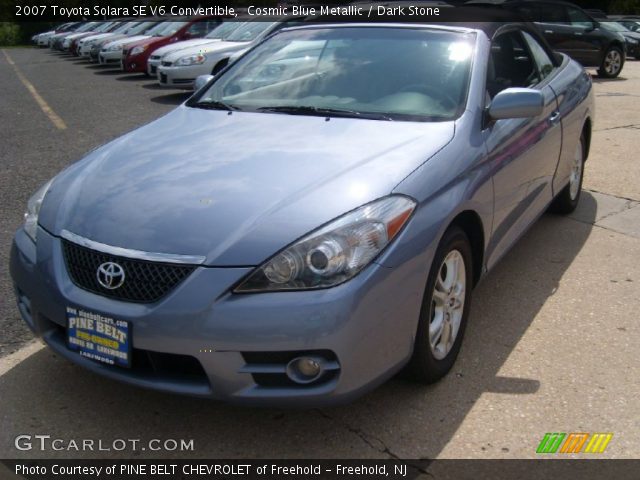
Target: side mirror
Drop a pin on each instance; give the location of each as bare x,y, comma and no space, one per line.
516,103
201,81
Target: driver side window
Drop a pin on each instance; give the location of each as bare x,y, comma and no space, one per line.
510,64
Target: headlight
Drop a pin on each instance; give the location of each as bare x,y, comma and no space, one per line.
336,252
33,210
632,41
138,50
191,60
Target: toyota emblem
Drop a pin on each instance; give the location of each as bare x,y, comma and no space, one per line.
110,275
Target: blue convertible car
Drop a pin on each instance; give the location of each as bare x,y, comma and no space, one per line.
312,220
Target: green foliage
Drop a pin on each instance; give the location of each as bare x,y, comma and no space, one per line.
629,7
9,34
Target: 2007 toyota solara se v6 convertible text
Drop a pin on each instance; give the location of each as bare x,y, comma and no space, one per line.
313,219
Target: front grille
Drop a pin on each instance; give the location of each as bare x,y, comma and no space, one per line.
156,57
165,63
145,282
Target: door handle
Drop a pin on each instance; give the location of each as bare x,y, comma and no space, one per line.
554,118
548,31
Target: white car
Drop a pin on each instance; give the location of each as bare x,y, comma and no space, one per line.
84,45
111,52
100,27
180,69
42,39
215,35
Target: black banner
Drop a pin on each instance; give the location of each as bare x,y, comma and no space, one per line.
266,10
393,469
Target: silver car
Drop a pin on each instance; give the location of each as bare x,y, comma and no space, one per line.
307,225
179,69
217,34
111,52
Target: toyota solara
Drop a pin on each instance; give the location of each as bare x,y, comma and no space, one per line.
314,219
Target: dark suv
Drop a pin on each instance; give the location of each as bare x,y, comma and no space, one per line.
571,30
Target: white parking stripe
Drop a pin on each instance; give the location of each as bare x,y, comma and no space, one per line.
10,361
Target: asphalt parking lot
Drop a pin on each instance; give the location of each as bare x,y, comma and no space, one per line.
552,344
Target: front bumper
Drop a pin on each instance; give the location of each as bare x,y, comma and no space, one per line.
135,64
113,57
152,66
367,325
181,77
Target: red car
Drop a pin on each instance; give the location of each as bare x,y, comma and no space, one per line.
136,54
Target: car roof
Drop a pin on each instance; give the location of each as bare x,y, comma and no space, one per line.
485,18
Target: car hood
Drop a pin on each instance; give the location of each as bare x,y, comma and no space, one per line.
111,38
148,41
126,40
73,36
210,47
234,188
95,36
174,47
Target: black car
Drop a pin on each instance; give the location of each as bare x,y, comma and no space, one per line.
632,38
571,30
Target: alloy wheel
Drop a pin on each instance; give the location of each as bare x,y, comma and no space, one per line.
447,304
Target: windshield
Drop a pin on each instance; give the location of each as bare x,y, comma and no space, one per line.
223,30
169,29
248,32
104,27
124,27
614,27
366,72
143,27
158,27
86,26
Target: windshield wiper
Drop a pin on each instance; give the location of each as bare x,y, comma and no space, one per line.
324,112
215,105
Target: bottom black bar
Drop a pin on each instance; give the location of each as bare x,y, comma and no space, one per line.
318,469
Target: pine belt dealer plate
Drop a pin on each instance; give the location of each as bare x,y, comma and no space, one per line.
98,337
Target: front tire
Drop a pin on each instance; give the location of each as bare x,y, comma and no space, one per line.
567,200
612,63
445,309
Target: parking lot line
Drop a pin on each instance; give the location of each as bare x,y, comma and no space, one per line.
48,111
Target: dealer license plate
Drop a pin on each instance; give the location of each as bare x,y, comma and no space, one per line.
98,337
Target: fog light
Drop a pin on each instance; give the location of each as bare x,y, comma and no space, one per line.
304,369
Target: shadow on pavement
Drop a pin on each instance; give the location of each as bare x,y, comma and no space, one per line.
45,394
157,86
597,79
172,98
107,71
133,77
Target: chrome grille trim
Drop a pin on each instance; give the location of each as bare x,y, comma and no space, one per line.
133,254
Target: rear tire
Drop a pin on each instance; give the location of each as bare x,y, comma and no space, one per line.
445,309
567,200
612,63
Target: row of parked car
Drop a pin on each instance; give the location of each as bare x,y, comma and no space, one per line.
178,50
175,50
